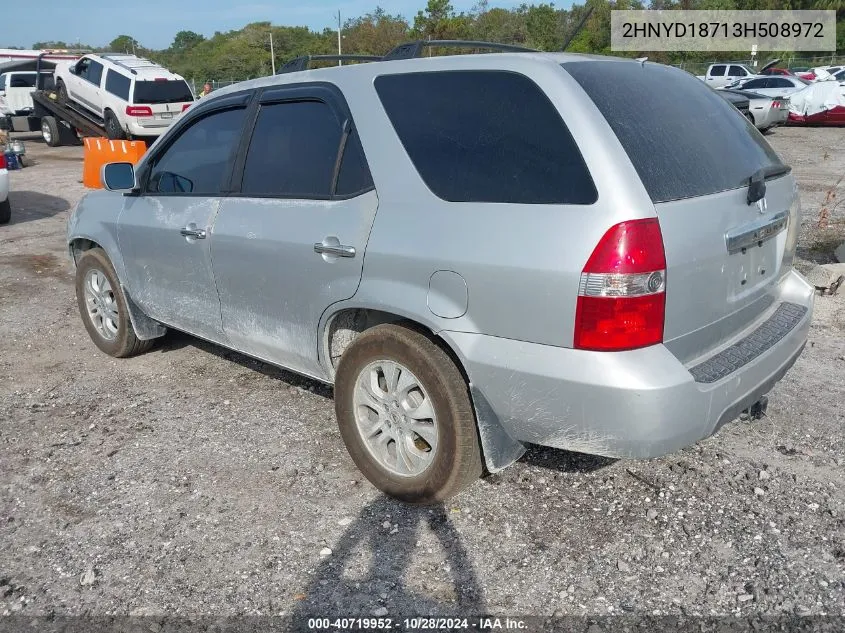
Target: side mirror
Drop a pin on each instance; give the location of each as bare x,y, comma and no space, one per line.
118,177
72,70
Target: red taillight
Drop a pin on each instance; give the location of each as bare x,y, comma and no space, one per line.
2,160
622,294
775,104
186,106
139,111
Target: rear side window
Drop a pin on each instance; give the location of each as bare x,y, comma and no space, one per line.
717,71
168,91
736,71
776,82
756,84
486,136
682,137
118,85
293,151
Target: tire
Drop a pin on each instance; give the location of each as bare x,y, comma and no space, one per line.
113,129
94,266
50,131
5,211
61,92
453,462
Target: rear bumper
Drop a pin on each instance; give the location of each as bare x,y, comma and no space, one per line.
148,126
635,404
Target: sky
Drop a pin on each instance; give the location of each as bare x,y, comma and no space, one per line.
154,22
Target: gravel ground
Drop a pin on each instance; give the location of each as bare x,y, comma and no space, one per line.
194,481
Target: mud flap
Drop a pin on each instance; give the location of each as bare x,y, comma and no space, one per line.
145,328
500,449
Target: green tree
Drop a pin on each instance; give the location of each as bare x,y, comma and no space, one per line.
124,44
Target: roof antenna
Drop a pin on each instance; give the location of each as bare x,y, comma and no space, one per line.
584,18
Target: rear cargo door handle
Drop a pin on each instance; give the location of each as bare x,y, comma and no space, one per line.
331,246
192,231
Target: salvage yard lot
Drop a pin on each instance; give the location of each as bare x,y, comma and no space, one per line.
193,480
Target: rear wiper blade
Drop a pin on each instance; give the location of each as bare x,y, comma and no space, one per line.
757,181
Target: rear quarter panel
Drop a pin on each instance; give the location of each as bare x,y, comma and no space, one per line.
521,263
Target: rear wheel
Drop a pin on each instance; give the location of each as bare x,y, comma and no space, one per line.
61,91
5,211
405,415
113,129
103,306
50,131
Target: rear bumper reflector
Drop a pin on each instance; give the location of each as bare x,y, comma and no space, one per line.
784,319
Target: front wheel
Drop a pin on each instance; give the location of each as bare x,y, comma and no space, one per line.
103,306
405,415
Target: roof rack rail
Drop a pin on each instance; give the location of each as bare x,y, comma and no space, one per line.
302,62
410,50
142,62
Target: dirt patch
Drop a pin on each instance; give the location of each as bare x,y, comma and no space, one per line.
194,480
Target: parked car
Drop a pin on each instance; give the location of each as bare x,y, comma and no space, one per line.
130,95
477,252
772,86
777,71
5,205
767,112
738,100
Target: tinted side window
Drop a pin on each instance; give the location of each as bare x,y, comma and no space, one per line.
717,71
780,83
94,73
736,71
198,160
704,147
482,136
293,151
118,85
756,84
354,175
22,80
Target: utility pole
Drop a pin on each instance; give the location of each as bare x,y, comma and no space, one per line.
340,61
272,54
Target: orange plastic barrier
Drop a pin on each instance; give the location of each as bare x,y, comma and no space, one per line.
100,151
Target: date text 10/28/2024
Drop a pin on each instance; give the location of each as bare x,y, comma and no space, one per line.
416,624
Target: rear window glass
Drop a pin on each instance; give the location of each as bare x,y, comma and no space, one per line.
22,80
682,137
170,91
486,136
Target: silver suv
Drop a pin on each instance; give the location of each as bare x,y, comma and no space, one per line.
478,251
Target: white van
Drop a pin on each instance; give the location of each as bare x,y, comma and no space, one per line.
132,96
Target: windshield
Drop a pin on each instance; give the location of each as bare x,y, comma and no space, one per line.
152,92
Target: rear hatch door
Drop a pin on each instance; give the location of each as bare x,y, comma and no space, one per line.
696,157
167,98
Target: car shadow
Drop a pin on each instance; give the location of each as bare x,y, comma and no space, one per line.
564,461
33,205
393,561
175,340
535,455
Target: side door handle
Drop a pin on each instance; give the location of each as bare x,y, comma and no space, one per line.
331,246
192,231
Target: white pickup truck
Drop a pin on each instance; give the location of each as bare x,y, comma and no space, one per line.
16,92
721,75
